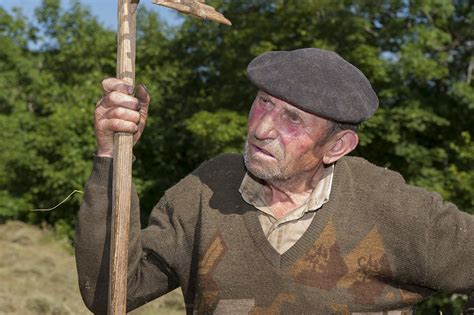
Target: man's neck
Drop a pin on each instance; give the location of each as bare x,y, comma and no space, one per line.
283,196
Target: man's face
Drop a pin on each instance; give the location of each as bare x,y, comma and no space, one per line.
283,141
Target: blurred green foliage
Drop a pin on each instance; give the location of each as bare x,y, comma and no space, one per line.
417,54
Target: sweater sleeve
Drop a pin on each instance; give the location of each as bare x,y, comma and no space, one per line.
150,274
430,241
450,259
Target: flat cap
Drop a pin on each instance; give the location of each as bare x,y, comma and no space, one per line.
317,81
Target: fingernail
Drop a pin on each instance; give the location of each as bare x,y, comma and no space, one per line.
130,90
144,87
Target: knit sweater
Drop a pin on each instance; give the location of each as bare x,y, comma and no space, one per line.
378,244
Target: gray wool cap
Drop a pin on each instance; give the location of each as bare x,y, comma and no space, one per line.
317,81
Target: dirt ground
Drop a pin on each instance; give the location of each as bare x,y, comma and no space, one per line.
38,276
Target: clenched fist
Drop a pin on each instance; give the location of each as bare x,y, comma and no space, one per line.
119,111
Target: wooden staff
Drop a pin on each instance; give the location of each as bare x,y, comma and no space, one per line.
123,142
122,175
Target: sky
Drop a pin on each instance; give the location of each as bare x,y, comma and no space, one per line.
104,10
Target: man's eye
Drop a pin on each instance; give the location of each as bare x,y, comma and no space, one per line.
265,102
294,119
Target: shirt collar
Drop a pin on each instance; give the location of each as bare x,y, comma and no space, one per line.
252,191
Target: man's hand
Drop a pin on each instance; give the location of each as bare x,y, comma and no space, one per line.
119,111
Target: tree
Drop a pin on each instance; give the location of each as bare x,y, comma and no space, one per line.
50,101
417,54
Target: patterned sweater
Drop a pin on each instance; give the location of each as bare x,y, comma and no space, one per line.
378,244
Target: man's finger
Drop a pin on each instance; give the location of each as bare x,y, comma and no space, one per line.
123,114
142,94
114,84
143,99
118,125
115,98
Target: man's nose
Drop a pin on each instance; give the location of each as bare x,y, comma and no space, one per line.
266,127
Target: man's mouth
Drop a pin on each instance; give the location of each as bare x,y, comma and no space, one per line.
263,151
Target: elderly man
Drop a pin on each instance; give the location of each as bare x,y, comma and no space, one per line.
294,226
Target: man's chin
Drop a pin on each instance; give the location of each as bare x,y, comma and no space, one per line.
257,169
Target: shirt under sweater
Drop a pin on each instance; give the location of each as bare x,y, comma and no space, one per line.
284,232
378,244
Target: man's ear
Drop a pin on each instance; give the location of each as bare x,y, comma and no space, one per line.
344,142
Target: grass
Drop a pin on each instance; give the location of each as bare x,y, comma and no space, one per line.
38,276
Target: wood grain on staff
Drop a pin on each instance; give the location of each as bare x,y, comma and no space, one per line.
122,175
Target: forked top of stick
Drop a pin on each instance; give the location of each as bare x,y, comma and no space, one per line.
196,8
